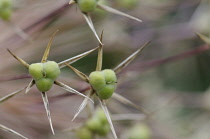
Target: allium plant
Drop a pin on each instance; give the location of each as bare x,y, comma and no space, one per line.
44,75
103,84
88,6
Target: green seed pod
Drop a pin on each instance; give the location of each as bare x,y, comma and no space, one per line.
103,82
101,115
6,14
5,4
51,69
87,5
36,71
84,133
110,76
104,130
5,9
139,131
94,124
97,80
106,92
98,124
44,84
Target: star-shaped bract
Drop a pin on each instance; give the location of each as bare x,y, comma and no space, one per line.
90,5
93,91
11,131
46,84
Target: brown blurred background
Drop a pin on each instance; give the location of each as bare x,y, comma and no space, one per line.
169,78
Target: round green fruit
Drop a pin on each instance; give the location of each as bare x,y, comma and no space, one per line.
36,71
51,69
101,115
87,5
6,14
106,92
110,76
44,84
84,133
94,124
97,80
104,82
104,130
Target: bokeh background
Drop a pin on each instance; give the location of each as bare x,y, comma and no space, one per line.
170,78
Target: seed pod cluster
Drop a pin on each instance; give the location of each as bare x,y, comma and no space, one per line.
44,74
97,125
5,9
87,5
103,82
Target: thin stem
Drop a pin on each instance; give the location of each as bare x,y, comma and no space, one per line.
19,59
90,23
69,89
82,106
123,64
104,107
75,58
46,105
46,53
100,55
30,85
114,11
11,131
11,95
79,73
